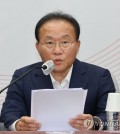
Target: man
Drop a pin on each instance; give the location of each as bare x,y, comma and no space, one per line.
57,36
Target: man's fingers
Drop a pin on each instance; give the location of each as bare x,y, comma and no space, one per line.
74,121
28,129
83,116
82,122
27,124
27,119
78,126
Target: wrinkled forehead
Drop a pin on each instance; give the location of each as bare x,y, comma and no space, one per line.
57,29
61,28
56,22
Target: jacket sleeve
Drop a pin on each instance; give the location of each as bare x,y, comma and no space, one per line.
14,106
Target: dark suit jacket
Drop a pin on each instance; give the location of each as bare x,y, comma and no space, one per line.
97,80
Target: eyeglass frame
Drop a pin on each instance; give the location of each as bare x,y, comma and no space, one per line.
59,43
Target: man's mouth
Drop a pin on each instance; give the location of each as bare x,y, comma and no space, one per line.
58,61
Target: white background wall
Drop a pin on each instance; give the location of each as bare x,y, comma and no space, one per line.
100,32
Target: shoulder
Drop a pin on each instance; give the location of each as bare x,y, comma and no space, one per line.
87,65
90,68
28,67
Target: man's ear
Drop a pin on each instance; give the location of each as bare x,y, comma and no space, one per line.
37,44
78,43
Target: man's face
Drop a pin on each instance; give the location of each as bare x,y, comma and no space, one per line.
55,32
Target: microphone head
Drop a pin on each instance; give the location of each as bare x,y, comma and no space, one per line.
48,67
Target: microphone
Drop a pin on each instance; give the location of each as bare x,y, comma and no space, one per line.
47,68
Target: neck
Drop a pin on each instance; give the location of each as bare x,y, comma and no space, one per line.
59,76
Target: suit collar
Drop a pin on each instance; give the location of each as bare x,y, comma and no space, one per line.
78,78
41,80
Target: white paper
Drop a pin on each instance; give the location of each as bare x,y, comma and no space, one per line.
53,108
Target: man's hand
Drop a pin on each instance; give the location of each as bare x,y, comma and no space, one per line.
27,124
82,122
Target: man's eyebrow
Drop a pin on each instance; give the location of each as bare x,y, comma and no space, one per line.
66,36
63,36
49,37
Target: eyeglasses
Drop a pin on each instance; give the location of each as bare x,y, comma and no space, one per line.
62,44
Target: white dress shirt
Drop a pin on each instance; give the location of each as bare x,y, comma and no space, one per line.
64,84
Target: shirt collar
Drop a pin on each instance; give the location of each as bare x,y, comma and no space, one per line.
68,76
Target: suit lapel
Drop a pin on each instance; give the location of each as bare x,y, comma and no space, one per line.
78,77
41,81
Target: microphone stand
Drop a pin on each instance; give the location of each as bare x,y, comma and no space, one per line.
44,67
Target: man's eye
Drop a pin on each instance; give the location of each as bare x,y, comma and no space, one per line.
49,43
65,42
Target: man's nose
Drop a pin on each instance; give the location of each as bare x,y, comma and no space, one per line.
57,49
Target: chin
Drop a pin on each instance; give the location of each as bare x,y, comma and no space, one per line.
59,69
